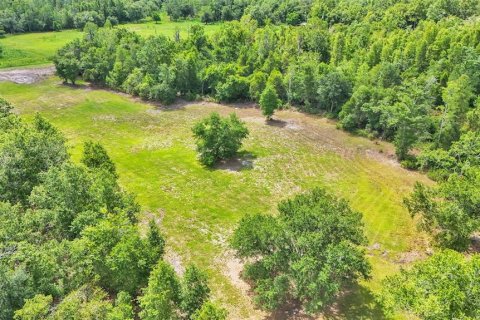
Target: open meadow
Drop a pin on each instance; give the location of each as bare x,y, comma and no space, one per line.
197,208
38,48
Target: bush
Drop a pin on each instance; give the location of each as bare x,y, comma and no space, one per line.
219,138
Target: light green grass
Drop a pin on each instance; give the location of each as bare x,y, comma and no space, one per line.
198,207
39,48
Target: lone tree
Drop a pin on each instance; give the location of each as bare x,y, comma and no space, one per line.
269,101
219,138
308,252
156,17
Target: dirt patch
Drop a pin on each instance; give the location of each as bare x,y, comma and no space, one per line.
175,261
231,267
235,164
409,257
26,76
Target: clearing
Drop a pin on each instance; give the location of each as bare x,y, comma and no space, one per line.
197,208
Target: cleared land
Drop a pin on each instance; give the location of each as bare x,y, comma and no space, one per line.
39,48
197,208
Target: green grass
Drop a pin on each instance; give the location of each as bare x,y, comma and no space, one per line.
39,48
198,207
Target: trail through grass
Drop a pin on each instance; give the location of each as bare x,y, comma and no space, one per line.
198,207
39,48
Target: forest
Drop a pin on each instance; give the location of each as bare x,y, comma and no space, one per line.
75,243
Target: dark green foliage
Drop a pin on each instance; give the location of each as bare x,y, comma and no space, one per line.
219,138
67,63
162,295
25,152
195,290
95,157
445,286
44,15
309,252
449,211
269,101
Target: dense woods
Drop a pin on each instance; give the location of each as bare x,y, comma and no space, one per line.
47,15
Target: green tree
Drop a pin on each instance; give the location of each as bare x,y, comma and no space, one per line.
334,90
155,239
308,252
269,101
96,157
37,308
195,290
449,211
445,286
156,17
219,138
161,297
209,311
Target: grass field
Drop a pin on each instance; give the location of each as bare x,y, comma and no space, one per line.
198,208
39,48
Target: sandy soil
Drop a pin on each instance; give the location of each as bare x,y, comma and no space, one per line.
26,76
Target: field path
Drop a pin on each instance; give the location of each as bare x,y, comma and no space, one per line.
26,75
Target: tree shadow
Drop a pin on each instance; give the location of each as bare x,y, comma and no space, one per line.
242,161
276,123
358,302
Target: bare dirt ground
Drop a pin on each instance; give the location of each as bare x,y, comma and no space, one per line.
27,75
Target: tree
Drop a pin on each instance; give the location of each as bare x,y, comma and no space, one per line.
308,252
5,108
195,290
96,157
25,152
162,295
334,90
269,101
445,286
209,311
156,17
37,307
67,66
219,138
449,211
155,239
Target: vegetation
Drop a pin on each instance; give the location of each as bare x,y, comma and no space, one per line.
39,48
68,235
75,244
445,286
44,15
219,138
155,157
355,62
309,252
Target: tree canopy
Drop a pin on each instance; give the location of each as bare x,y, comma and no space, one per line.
308,252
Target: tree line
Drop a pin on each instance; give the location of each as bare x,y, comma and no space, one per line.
47,15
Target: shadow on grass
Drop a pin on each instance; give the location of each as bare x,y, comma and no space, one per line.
242,161
358,303
276,123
